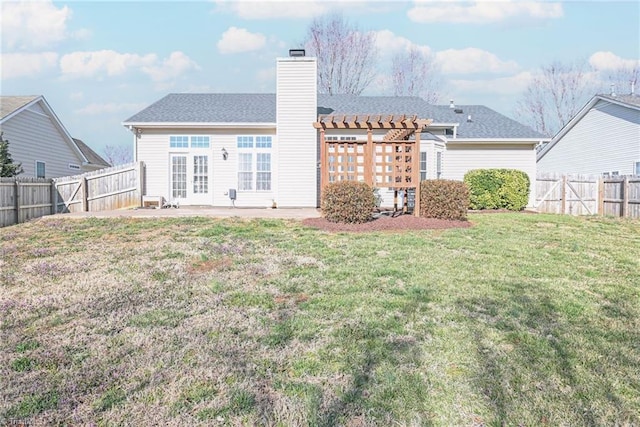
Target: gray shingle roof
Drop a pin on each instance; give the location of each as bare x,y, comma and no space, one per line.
9,104
210,108
93,157
627,99
261,108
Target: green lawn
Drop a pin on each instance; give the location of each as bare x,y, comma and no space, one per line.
522,319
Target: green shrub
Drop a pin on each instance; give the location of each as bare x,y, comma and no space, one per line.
497,189
444,199
348,202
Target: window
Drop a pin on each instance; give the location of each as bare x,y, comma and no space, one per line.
40,170
423,165
254,163
438,164
199,142
179,142
200,174
637,168
179,177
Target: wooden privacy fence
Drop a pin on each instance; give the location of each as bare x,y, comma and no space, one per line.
22,199
576,194
119,187
104,190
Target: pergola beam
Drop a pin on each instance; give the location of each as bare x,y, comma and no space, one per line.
370,122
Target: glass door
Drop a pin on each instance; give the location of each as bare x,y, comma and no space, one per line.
190,179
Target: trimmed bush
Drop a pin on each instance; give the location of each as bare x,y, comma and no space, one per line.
348,202
497,189
444,199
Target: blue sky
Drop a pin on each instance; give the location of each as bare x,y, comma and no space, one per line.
98,63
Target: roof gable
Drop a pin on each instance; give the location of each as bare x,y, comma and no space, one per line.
626,101
14,105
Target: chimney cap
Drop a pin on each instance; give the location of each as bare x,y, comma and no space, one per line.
297,52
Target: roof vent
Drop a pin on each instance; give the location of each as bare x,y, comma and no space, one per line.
296,52
451,104
469,118
633,88
458,111
613,89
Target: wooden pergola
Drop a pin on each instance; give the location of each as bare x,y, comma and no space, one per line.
393,162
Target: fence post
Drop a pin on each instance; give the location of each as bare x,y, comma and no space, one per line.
140,173
563,195
85,194
17,200
54,198
600,204
624,211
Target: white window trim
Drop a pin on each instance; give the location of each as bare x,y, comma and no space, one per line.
44,164
636,168
254,151
189,146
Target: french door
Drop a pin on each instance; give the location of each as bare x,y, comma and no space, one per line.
190,179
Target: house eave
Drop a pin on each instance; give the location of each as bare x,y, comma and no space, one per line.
199,125
501,141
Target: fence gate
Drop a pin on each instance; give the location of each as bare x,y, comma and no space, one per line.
576,194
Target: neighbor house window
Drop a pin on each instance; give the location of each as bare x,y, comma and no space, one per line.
254,163
423,166
179,141
40,170
637,168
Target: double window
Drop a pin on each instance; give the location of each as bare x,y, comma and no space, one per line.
183,141
254,163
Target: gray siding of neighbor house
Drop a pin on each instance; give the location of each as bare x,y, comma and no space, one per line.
606,139
33,137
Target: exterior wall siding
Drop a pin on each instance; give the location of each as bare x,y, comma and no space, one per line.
460,158
606,139
154,150
297,153
32,137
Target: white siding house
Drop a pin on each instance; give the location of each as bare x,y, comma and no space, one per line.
39,141
201,148
603,138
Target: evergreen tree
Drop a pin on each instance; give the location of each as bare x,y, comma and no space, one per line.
7,167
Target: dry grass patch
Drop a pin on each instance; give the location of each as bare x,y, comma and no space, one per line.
518,320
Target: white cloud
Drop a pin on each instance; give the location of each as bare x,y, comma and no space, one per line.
252,9
387,41
33,24
26,64
109,108
98,63
473,60
482,11
236,40
176,64
609,61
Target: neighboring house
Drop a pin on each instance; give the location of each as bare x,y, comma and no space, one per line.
603,139
39,141
199,147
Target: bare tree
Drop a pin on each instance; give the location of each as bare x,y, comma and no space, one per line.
414,73
623,80
554,96
118,155
346,56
